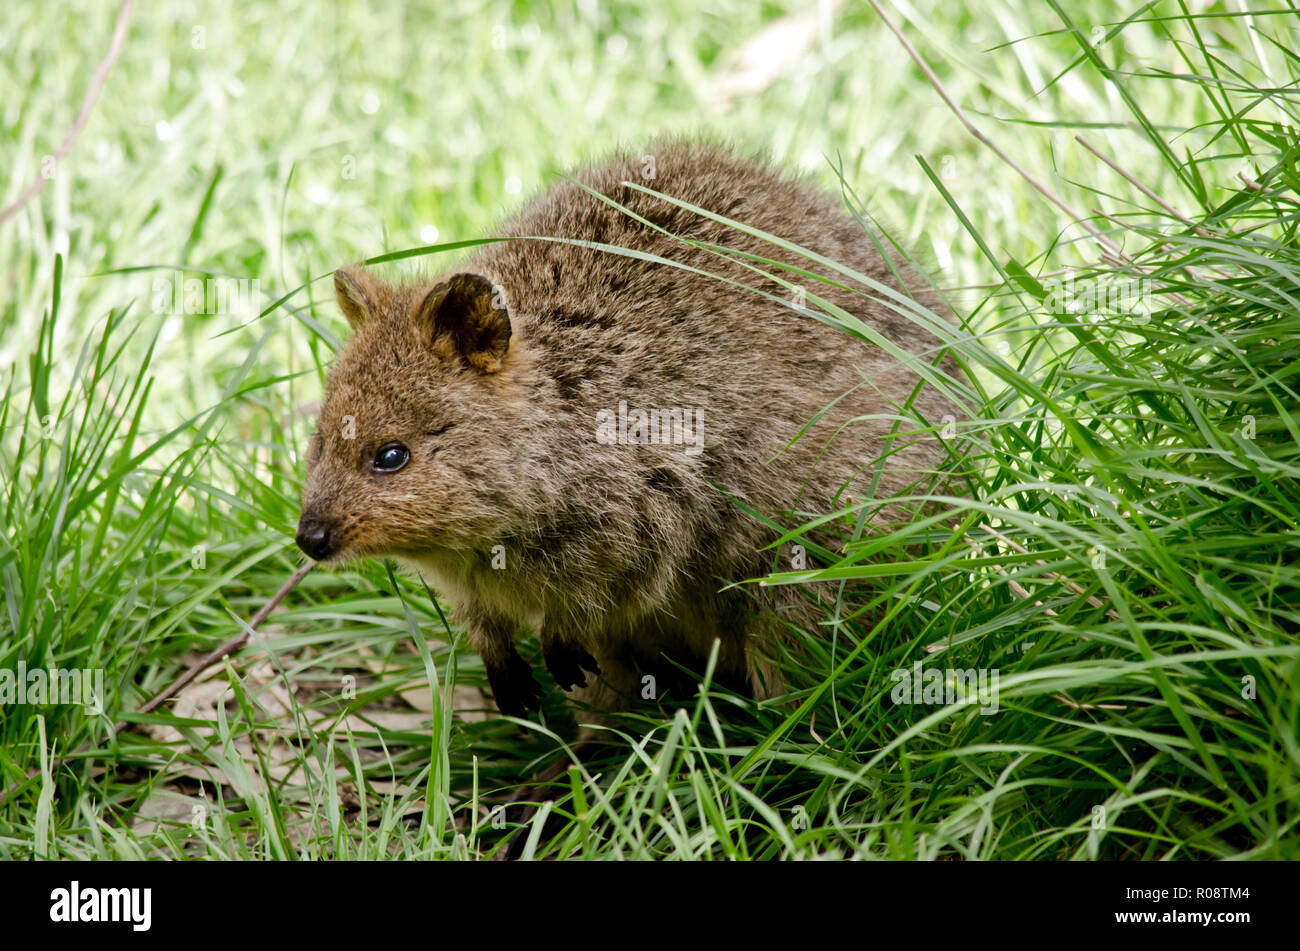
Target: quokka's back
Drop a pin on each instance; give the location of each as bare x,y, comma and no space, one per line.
585,428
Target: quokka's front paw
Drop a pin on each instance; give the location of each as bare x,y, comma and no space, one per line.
514,688
567,663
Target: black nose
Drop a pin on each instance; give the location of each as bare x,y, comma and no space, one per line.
315,538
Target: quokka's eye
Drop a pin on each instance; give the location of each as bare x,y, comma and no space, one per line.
390,457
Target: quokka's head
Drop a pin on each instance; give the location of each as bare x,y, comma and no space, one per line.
412,449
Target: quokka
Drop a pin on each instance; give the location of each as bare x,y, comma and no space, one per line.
566,440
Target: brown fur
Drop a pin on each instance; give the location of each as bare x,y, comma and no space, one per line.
614,554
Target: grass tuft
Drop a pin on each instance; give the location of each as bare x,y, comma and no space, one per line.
1115,533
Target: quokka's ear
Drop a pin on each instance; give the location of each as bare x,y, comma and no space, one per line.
349,288
464,315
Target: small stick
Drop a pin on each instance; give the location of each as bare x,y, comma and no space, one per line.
1075,588
1144,190
1164,247
200,665
1088,706
1012,583
1020,591
232,645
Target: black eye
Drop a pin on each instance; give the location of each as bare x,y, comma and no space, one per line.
390,457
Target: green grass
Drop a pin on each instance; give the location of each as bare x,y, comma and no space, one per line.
1124,555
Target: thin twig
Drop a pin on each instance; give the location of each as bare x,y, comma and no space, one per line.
1144,190
196,668
92,94
1088,706
1075,588
973,130
1129,264
232,645
1020,590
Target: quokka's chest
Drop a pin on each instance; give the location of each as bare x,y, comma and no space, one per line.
485,584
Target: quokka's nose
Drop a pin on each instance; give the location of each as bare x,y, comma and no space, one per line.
315,538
